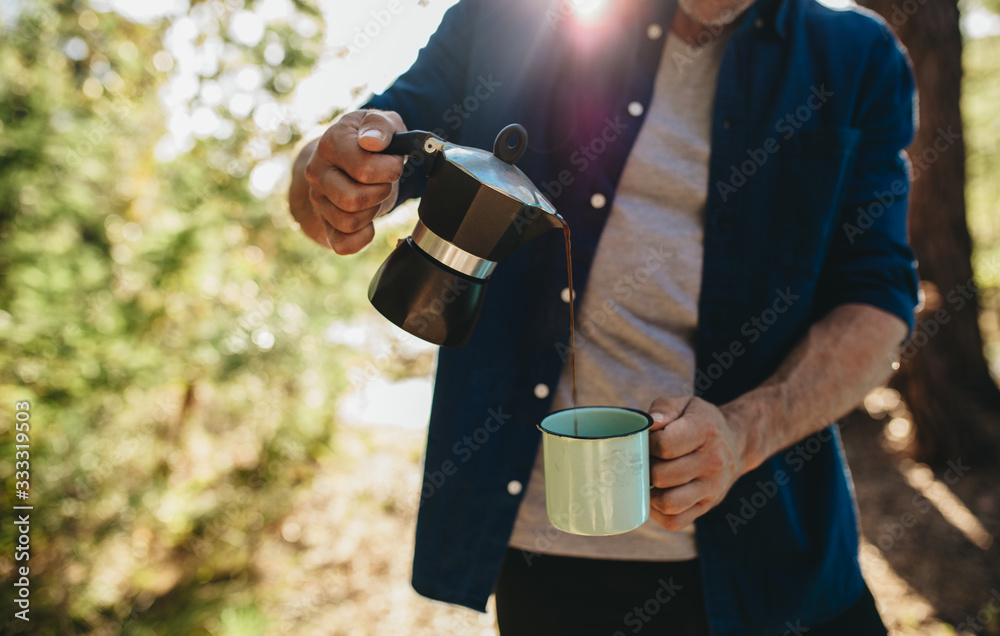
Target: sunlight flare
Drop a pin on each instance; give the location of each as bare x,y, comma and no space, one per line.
921,478
588,10
892,591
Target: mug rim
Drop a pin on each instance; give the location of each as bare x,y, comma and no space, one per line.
649,422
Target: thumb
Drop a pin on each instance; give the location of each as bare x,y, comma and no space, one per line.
667,409
375,131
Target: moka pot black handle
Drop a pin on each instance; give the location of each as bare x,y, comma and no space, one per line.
407,143
509,145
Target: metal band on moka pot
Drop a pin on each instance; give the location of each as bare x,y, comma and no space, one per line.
451,255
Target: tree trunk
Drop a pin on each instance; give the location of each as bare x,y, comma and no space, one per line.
944,377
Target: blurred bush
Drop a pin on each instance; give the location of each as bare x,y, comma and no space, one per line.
157,308
980,96
982,120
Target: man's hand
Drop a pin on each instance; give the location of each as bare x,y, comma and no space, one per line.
697,455
339,185
700,450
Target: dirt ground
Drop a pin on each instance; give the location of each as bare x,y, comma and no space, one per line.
930,556
348,546
349,543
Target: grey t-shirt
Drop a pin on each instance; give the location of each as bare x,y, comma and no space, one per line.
637,321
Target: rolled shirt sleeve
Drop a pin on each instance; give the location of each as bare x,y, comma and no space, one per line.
869,260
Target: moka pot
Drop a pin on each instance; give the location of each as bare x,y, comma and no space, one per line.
476,210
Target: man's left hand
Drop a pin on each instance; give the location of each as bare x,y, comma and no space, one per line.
697,455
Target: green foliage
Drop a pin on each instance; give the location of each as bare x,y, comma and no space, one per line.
992,5
980,96
163,321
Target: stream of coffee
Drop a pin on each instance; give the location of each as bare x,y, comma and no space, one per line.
572,321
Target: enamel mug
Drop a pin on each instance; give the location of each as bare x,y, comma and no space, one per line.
596,480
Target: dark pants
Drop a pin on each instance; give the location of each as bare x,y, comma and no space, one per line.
556,595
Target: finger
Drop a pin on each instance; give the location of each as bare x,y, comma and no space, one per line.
375,131
674,501
680,437
352,243
339,147
373,135
304,212
341,220
366,167
666,409
351,196
681,521
675,472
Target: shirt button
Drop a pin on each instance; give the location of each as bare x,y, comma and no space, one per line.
564,295
514,487
598,200
635,109
654,31
759,23
727,123
541,391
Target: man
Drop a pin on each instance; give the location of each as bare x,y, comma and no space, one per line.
712,163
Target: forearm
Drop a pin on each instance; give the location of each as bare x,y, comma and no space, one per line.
841,358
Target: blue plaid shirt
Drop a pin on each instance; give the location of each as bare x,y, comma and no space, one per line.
806,210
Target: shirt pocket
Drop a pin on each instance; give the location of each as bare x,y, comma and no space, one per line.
813,171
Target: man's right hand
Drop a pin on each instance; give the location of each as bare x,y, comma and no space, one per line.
340,185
